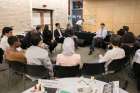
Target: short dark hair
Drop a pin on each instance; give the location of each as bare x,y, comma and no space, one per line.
38,27
102,24
121,32
12,40
6,30
115,40
35,39
46,28
129,37
126,28
57,24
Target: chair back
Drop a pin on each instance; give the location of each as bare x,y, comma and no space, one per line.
136,69
117,64
66,71
93,68
1,55
38,71
129,51
17,66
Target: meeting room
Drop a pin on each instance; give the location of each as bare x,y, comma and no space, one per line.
69,46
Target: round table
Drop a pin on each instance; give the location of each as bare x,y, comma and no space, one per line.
71,85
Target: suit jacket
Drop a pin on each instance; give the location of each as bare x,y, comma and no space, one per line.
56,34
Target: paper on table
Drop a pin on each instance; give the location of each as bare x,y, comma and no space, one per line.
115,86
50,83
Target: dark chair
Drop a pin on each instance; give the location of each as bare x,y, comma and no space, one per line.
129,51
66,71
84,38
16,68
37,71
91,69
136,69
118,64
1,55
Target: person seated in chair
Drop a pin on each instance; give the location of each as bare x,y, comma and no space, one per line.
6,32
26,41
58,34
136,58
69,32
121,32
11,53
48,38
127,43
99,37
137,43
39,29
36,55
68,57
115,53
128,38
136,66
126,29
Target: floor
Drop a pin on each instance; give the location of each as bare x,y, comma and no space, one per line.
15,84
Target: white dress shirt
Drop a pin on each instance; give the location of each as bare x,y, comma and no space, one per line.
4,43
59,31
79,22
38,56
102,33
137,57
110,55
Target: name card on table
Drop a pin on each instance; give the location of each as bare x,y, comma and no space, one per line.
112,87
49,83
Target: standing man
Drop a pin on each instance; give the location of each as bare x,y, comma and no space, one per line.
79,25
99,38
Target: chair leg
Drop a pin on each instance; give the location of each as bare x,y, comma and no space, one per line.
125,85
24,81
61,46
9,78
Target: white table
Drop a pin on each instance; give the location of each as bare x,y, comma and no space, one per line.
72,83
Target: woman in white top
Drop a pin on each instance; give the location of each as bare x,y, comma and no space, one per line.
115,53
6,32
68,57
136,58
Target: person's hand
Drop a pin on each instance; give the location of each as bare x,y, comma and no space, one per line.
52,40
100,56
60,36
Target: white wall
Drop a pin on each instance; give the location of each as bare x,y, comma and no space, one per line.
18,13
60,8
15,13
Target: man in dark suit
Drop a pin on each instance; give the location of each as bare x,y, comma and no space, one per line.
58,35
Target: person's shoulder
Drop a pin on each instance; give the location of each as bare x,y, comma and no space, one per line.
4,38
60,55
42,50
55,30
77,55
138,51
121,49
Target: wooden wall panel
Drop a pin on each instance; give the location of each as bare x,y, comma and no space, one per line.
114,13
